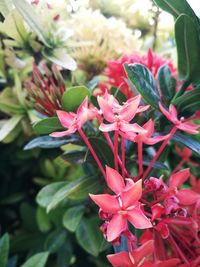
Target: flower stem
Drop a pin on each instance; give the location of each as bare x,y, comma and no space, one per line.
160,150
116,135
84,137
123,156
178,165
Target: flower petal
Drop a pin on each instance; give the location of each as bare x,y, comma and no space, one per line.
116,226
108,127
138,219
165,112
114,180
106,202
132,195
65,118
127,127
120,259
178,178
155,139
129,110
149,126
188,127
143,251
106,109
63,133
187,196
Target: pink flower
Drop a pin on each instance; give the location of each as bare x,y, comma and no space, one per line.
124,206
181,124
74,121
119,117
145,137
135,258
116,75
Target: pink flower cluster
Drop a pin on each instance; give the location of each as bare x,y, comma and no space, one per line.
166,213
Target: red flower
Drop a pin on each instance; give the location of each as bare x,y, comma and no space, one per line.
116,75
124,206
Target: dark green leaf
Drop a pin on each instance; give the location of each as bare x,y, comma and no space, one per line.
144,82
55,240
188,48
9,126
4,250
78,189
49,142
103,151
43,221
75,156
38,260
47,126
187,141
189,102
72,217
167,83
73,97
45,196
89,236
118,94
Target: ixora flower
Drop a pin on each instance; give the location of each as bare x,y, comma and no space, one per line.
119,117
181,123
116,75
123,207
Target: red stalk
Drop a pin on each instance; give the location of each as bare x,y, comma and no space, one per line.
123,156
160,150
92,151
116,135
140,158
179,165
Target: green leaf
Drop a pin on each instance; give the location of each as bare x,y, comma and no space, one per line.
188,48
176,7
47,126
49,142
61,58
43,221
38,260
89,236
9,126
75,156
73,97
32,19
189,102
167,83
45,196
76,190
72,217
103,151
4,250
144,82
187,141
55,240
118,94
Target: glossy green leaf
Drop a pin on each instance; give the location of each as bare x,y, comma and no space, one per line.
75,156
32,19
189,102
38,260
176,7
45,196
89,236
77,190
73,97
55,240
144,82
47,126
49,142
187,141
9,126
43,221
72,217
118,94
103,151
188,48
167,83
4,250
